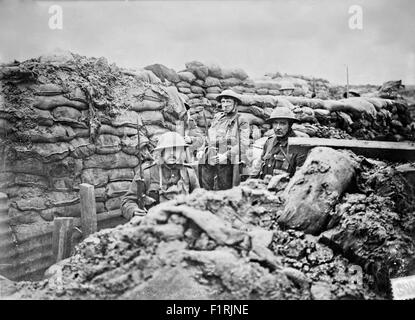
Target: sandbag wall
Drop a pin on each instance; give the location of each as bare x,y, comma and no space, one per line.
365,118
67,120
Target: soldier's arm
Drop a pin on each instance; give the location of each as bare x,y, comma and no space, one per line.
129,202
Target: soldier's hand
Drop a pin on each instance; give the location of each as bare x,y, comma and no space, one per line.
140,212
187,139
220,158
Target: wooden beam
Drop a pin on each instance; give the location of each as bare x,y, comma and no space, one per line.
88,210
383,150
62,238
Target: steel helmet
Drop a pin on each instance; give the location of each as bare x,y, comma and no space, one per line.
282,113
287,87
169,140
229,93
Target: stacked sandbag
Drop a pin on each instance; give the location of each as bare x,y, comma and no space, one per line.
359,117
69,119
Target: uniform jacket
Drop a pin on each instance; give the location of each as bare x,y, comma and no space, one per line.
171,177
223,135
275,156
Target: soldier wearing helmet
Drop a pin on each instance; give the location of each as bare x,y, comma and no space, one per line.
227,144
287,90
275,156
167,177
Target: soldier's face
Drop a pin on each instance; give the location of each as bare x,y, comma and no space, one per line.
228,104
173,155
287,92
281,127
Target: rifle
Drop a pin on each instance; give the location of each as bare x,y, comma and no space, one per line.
215,178
141,188
236,174
187,124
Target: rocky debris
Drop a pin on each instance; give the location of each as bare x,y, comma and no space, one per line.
227,245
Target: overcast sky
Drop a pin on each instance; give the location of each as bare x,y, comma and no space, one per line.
309,37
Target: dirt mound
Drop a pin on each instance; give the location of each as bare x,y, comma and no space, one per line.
209,245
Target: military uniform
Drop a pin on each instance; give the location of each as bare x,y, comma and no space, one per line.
162,183
275,156
223,139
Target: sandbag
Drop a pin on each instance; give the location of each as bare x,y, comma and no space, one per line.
111,161
355,106
107,143
55,133
151,117
212,82
262,91
234,73
51,151
95,176
198,69
211,96
251,119
378,103
301,134
230,82
113,203
195,95
256,111
163,73
267,84
62,199
120,174
129,144
68,114
143,75
184,90
183,84
196,89
152,130
175,105
50,102
305,114
215,71
186,76
261,101
81,147
120,131
117,189
147,105
315,188
28,165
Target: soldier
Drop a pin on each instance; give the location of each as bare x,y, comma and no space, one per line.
275,156
227,143
287,90
163,180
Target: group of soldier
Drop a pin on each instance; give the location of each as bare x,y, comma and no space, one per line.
224,152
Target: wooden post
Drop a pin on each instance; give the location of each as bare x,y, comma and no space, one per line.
88,210
62,238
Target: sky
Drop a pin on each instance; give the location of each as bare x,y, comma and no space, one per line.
307,37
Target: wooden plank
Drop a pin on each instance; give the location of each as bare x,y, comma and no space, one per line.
383,150
88,210
62,235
